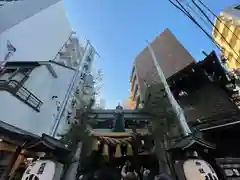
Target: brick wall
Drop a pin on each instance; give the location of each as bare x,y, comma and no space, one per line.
171,55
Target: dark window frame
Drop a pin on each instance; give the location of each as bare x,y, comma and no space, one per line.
83,76
237,7
89,59
86,67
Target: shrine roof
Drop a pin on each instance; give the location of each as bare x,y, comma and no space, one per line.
210,64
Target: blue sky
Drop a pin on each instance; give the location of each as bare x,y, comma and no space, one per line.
119,30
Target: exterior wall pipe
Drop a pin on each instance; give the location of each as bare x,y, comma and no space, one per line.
69,92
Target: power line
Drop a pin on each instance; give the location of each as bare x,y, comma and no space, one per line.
219,19
183,10
197,14
222,36
188,14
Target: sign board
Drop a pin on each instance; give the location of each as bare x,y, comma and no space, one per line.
231,167
199,169
41,170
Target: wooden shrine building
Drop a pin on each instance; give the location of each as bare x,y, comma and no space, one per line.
209,96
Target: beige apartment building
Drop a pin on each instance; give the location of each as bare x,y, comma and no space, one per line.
227,34
171,56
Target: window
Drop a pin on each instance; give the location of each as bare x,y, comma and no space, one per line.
230,56
86,67
223,50
133,82
135,92
89,59
138,102
83,76
61,53
237,7
134,79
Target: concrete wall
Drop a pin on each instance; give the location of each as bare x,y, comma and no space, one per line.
81,99
171,55
71,54
15,112
232,12
38,37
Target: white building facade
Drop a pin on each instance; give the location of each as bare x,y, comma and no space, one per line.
232,13
37,29
72,52
43,65
5,2
81,93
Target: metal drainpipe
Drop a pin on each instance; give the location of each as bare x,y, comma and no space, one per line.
69,92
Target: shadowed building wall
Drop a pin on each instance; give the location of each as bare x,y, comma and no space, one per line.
171,55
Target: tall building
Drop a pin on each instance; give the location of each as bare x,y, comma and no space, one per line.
101,104
129,103
80,93
227,34
170,54
125,104
72,53
42,67
50,30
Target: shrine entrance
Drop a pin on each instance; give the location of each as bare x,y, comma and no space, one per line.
119,147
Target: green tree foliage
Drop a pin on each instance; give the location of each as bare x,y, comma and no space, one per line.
157,105
80,129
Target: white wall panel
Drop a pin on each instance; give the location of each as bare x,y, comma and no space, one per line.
39,37
14,12
43,85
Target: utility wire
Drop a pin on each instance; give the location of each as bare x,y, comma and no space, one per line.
204,14
215,28
222,36
187,13
183,10
219,19
197,14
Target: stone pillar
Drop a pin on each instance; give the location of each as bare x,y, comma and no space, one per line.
72,170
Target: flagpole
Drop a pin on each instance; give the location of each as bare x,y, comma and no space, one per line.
176,107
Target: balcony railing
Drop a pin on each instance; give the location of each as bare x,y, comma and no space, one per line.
16,88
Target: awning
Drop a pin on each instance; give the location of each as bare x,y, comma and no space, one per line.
29,141
48,144
15,134
189,142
